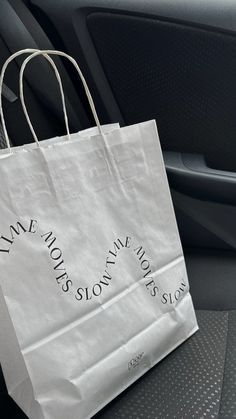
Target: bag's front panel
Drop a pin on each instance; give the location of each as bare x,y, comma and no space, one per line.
94,276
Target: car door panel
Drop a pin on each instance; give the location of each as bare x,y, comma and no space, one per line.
174,63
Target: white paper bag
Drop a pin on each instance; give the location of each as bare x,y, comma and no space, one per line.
94,289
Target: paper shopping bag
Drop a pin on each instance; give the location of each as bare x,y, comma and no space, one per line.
94,289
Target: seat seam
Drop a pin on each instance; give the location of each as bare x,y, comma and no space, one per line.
225,362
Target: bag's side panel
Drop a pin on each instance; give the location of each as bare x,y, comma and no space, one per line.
14,369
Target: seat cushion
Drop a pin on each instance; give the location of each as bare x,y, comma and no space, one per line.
197,380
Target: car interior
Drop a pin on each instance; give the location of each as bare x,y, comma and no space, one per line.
173,61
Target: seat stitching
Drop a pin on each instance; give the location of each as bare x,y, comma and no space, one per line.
225,362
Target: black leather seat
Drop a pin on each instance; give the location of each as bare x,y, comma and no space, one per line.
41,87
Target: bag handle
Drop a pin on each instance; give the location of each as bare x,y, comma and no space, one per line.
4,68
73,61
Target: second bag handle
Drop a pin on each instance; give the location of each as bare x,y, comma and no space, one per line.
47,53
